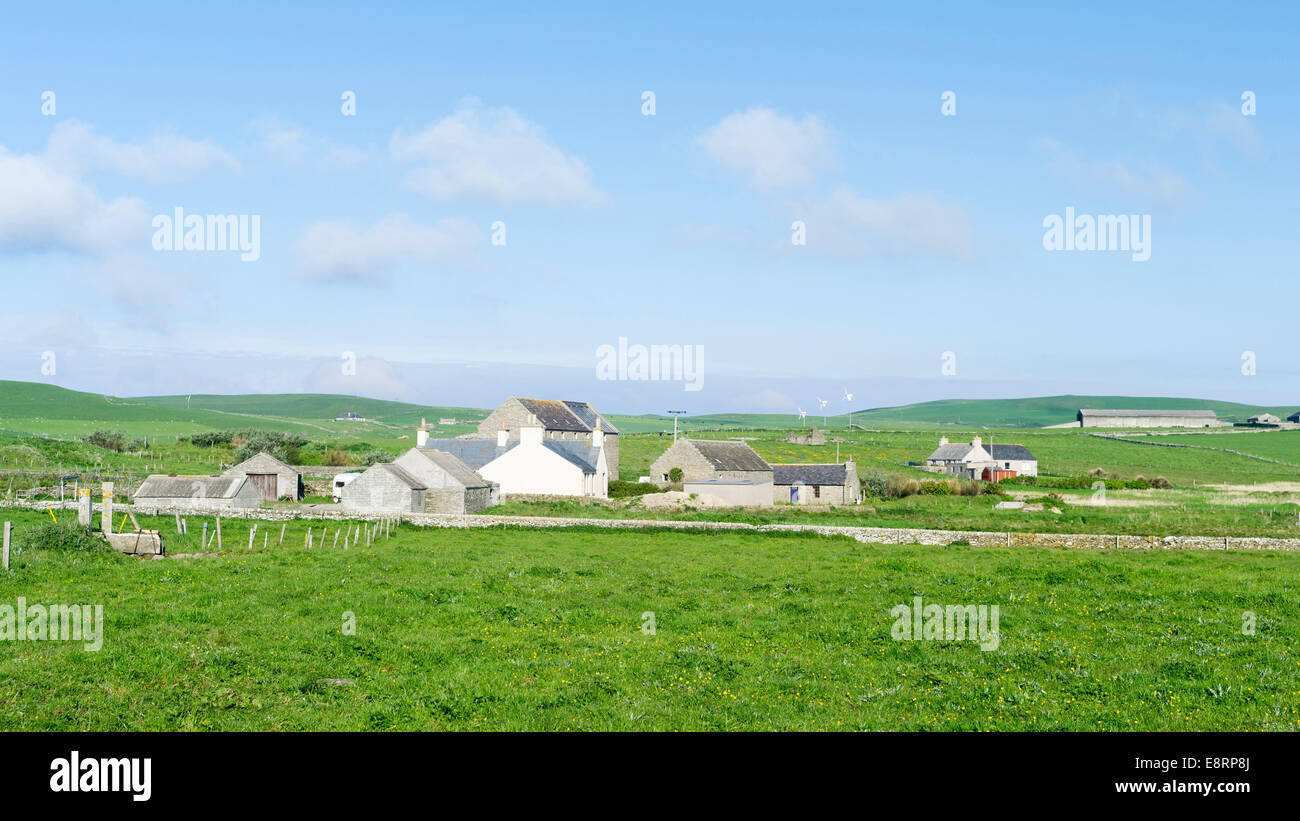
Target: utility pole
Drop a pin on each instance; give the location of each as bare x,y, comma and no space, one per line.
675,414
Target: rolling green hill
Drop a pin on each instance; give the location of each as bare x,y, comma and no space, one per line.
41,408
315,406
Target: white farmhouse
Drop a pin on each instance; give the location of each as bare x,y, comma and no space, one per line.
537,465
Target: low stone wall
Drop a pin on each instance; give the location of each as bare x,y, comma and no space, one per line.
868,535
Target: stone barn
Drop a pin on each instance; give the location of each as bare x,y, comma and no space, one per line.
817,484
711,459
562,421
383,488
1147,419
1295,417
1264,419
161,491
451,486
272,478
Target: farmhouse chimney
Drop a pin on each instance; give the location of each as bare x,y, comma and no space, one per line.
976,441
943,440
422,435
598,437
503,436
531,434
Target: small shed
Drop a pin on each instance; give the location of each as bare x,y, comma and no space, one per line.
196,492
384,488
272,478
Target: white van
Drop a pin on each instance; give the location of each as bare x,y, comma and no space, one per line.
341,481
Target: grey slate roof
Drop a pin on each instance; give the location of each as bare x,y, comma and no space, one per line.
1295,417
578,453
952,452
402,476
475,453
729,455
567,415
1110,412
809,474
456,468
1005,453
160,486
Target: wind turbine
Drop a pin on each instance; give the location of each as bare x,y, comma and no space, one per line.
848,397
802,414
823,404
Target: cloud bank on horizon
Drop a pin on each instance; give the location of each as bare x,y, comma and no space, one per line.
466,206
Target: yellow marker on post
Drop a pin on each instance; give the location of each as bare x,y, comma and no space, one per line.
52,516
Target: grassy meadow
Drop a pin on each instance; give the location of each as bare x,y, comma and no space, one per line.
517,629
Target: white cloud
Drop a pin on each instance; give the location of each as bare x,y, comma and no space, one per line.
348,252
771,150
1152,183
292,145
163,158
43,207
493,155
848,223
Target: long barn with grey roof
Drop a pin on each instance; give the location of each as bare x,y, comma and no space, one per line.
1160,418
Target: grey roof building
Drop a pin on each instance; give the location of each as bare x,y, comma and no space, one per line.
810,484
562,421
1295,417
197,492
711,459
272,478
1160,418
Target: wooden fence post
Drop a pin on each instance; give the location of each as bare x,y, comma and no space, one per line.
204,544
8,530
219,542
283,525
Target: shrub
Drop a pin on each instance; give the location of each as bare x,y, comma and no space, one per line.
63,539
898,487
939,488
374,456
675,475
623,490
210,439
283,446
336,458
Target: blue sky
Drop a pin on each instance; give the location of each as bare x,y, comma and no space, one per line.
924,231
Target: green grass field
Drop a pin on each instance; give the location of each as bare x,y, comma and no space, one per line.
542,630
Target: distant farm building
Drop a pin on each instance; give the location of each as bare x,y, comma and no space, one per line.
1264,419
197,492
350,417
561,421
817,484
1295,417
710,459
972,460
419,482
1148,419
272,478
1014,457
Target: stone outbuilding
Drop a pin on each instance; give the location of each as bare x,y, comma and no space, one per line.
451,486
710,459
272,478
1264,419
561,421
817,484
197,492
